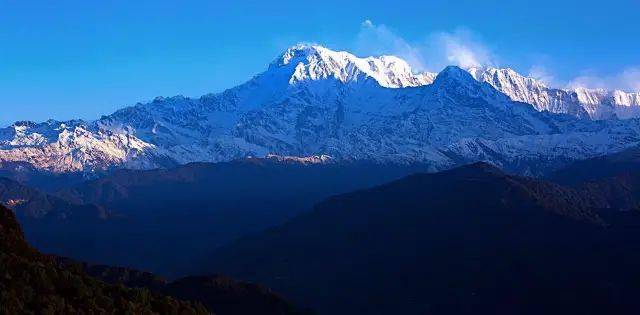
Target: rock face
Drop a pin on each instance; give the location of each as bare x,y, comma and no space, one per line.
314,101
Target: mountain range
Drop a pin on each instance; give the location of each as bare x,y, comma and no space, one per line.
312,101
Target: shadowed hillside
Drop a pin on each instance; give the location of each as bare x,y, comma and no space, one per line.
472,240
195,208
32,283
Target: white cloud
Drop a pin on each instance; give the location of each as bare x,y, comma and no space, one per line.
380,40
464,48
587,80
439,49
460,47
631,79
627,80
367,23
541,73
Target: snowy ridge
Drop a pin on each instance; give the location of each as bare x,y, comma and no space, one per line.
316,103
580,102
313,62
72,146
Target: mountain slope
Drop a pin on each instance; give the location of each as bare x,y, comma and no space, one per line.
33,283
33,203
194,208
230,297
615,178
580,102
63,286
599,168
219,294
467,241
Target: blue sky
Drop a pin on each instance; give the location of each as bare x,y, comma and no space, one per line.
81,59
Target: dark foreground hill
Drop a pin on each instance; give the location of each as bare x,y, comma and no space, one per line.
31,283
220,294
472,240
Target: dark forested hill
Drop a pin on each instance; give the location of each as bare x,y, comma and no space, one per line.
219,294
472,240
31,283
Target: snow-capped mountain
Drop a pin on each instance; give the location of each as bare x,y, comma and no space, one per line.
312,101
313,63
72,146
580,102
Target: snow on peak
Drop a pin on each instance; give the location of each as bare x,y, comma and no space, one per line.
505,77
514,85
455,75
529,90
590,96
315,62
298,52
577,101
455,72
626,99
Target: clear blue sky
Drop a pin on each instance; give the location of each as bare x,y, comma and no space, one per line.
68,59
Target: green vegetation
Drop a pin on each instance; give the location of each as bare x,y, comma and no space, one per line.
32,283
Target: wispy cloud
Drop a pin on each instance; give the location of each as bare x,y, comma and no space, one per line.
631,79
543,74
460,47
465,48
380,40
627,80
367,24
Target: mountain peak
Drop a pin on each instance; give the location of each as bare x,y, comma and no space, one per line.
455,70
312,62
505,76
301,51
455,74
